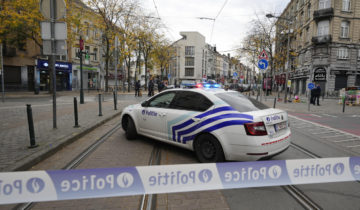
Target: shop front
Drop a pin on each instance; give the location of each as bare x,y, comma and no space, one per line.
91,77
63,75
299,79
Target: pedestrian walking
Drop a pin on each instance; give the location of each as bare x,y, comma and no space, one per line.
137,88
151,88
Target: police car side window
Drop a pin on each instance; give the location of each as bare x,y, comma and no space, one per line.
191,101
163,100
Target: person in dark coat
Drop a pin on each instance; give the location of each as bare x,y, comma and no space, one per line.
312,96
160,86
137,88
317,94
151,88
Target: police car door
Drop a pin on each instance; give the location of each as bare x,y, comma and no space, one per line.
185,114
154,115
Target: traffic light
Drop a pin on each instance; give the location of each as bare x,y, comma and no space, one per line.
81,44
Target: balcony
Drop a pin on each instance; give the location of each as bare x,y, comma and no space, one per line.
321,39
323,14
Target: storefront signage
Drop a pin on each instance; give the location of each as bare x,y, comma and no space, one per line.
60,66
320,74
87,68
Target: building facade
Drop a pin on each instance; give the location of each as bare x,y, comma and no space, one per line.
194,59
324,44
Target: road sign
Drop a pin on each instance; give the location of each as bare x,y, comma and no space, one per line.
263,55
263,64
60,30
311,86
60,9
235,74
60,47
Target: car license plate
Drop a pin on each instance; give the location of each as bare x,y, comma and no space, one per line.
280,126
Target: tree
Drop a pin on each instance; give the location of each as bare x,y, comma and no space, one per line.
19,22
112,13
163,54
147,41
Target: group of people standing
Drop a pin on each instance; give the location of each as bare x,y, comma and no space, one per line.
151,85
315,95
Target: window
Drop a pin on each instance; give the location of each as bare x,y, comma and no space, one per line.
95,54
189,50
95,34
240,102
191,101
344,29
189,72
309,11
346,5
358,54
87,49
323,28
163,100
189,61
324,4
343,53
357,81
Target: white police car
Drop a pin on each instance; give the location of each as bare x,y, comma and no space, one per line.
217,124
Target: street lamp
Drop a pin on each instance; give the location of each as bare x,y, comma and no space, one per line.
288,52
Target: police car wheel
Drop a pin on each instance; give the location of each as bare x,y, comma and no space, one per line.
208,149
130,129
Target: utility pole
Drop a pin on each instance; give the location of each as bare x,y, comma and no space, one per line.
2,73
288,66
80,53
116,63
53,52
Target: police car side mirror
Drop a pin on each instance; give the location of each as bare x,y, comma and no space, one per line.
145,104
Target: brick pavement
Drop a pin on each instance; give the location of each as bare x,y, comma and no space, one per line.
14,132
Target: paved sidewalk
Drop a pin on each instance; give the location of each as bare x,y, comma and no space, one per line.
14,130
327,105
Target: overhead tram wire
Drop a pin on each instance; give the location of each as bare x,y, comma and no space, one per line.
212,29
158,14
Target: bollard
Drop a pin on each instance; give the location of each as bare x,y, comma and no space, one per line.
274,102
31,126
115,101
76,114
100,112
344,101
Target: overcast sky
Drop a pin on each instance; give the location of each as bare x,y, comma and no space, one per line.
231,26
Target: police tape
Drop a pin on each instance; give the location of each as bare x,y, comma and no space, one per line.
34,186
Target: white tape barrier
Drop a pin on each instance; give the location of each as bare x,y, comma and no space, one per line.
32,186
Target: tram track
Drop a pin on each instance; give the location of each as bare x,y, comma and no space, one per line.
77,160
148,201
295,192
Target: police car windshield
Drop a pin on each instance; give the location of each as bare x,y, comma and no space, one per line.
240,102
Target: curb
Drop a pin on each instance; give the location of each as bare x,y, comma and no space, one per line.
45,153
